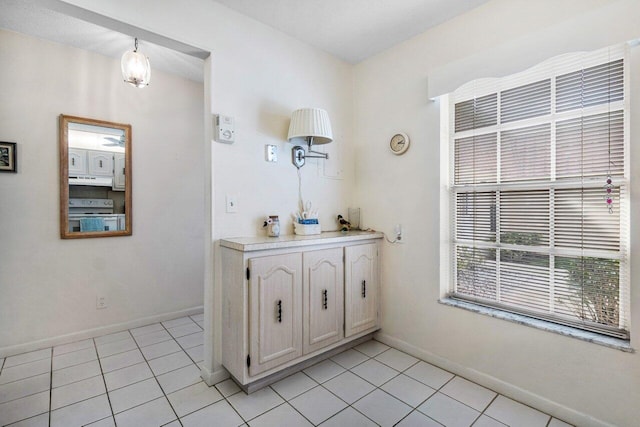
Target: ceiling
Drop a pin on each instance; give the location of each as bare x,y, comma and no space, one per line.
352,30
29,17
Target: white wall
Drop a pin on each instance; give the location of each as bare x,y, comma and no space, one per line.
258,76
586,381
48,286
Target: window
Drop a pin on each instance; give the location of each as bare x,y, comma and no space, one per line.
530,156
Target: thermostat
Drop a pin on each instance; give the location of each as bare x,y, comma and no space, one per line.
224,129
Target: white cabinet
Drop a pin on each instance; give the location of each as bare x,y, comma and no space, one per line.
275,304
97,163
118,172
77,162
361,288
100,163
290,299
323,305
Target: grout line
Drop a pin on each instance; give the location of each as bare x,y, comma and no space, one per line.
30,361
76,364
233,407
194,411
101,419
104,381
447,382
119,354
84,399
155,343
177,326
185,350
25,378
164,394
30,394
288,401
71,351
145,326
490,403
349,405
384,391
158,357
50,385
140,404
421,413
135,382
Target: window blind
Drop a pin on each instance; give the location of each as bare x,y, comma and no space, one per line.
531,155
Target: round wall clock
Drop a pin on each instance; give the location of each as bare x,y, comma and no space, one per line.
399,143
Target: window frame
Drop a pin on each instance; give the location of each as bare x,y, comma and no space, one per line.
552,68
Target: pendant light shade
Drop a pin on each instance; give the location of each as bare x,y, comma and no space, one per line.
135,68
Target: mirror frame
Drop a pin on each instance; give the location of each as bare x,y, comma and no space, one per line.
64,178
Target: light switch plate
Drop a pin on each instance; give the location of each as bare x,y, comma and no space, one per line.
232,204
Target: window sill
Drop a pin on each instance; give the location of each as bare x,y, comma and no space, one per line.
610,342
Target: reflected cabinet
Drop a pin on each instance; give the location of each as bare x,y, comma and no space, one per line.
95,178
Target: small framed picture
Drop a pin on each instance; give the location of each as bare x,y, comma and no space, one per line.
8,157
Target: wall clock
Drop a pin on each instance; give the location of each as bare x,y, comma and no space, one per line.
399,143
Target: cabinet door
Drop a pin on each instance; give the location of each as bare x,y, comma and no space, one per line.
77,162
118,171
323,293
361,288
275,311
100,163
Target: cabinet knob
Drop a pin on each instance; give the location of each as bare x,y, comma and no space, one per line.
279,311
364,289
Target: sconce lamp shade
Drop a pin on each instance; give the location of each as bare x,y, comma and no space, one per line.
136,69
311,122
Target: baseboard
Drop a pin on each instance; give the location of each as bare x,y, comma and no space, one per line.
516,393
211,378
95,332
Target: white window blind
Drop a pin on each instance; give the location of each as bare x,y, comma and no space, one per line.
531,154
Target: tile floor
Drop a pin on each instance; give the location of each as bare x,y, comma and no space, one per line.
149,376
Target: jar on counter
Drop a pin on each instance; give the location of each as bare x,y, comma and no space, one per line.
273,226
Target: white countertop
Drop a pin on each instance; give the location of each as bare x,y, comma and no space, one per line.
259,243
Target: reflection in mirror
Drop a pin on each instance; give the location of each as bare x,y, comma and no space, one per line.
95,178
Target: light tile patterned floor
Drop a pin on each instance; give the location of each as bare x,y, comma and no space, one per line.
149,376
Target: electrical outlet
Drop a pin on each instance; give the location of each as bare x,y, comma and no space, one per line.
398,231
101,302
271,153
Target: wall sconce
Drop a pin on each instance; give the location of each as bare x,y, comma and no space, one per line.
312,124
135,68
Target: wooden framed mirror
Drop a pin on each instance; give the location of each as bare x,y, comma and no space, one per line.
95,178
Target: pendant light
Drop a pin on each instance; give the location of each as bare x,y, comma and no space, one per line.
135,67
